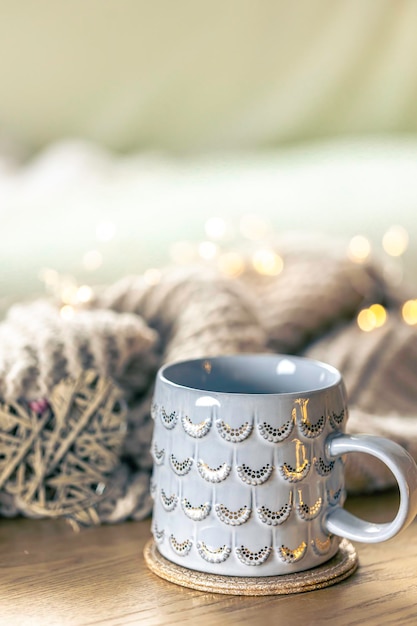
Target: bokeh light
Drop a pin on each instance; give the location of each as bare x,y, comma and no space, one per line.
68,291
208,250
366,320
373,317
359,249
395,241
267,262
380,314
84,293
409,312
216,228
231,264
67,312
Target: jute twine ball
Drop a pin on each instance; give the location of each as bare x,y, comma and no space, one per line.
65,385
56,454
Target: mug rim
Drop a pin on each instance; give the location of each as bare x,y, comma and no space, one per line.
278,357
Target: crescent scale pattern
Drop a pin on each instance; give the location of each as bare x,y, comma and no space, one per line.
252,476
180,467
320,548
196,513
336,419
213,555
234,435
169,420
295,474
276,435
248,557
308,513
213,475
292,556
196,430
311,430
275,518
169,502
233,518
244,554
323,468
334,496
181,548
158,534
158,455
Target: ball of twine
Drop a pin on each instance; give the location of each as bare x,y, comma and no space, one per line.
64,392
56,455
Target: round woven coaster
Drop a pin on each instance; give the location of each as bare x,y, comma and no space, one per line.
342,565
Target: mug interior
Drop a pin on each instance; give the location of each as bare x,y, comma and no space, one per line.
252,374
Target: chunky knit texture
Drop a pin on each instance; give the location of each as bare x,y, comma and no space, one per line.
132,327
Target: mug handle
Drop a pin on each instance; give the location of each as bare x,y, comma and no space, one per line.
342,523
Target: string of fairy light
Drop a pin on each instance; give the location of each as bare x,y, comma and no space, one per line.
395,242
224,247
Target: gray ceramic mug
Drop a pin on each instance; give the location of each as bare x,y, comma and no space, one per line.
248,473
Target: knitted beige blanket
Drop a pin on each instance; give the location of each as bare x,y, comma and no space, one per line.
75,425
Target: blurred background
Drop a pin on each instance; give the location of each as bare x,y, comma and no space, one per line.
135,134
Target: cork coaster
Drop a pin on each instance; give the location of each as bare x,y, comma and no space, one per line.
342,565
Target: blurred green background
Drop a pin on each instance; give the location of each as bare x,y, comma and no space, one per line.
145,120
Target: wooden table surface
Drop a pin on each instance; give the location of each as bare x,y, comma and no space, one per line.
52,575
